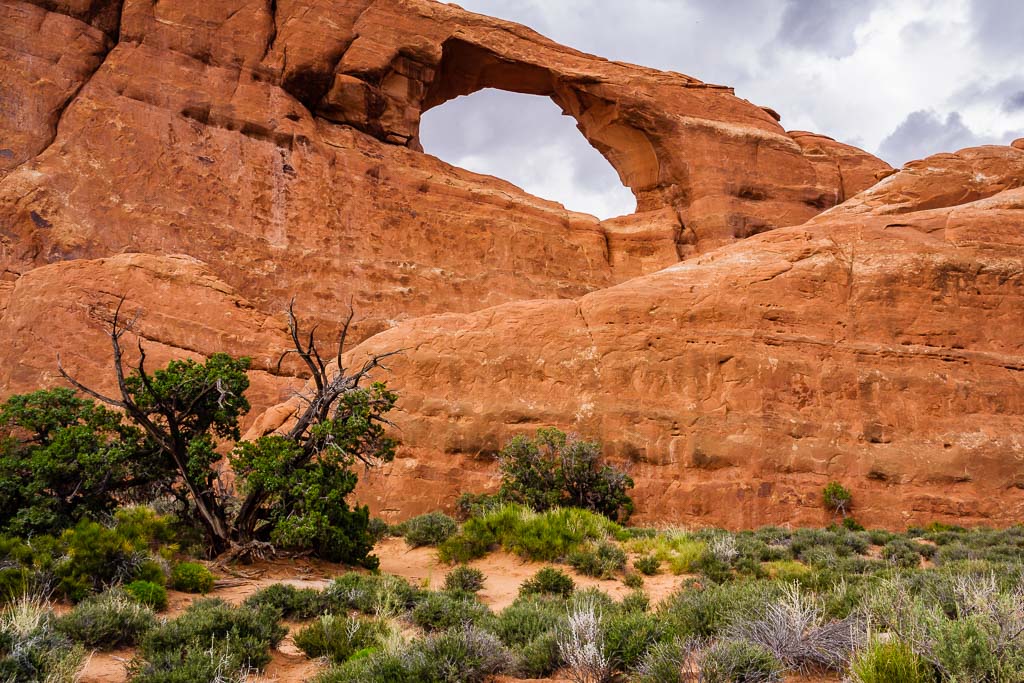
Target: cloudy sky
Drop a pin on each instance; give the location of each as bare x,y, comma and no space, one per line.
901,79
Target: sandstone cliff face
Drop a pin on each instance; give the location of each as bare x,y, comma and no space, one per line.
212,160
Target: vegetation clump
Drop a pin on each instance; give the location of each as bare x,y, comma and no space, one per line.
432,528
554,470
192,577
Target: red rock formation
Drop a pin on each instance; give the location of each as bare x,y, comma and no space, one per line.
276,145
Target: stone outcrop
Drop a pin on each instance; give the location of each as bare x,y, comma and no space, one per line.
769,318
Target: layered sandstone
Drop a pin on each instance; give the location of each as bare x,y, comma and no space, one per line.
213,160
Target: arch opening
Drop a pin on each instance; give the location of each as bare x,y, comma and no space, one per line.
527,140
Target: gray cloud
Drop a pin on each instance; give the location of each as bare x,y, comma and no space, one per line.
924,133
1014,102
823,26
998,27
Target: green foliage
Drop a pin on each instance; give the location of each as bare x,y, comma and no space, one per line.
539,658
736,660
548,581
441,611
629,635
107,621
192,577
679,550
552,470
432,528
528,618
63,459
476,504
208,640
890,662
460,655
633,580
380,594
602,560
153,595
31,650
647,565
902,553
291,602
547,536
837,497
707,610
339,637
464,579
378,529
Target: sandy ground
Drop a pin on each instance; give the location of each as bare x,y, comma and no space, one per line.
504,574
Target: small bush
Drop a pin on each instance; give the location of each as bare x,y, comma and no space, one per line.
671,661
633,580
464,579
680,551
107,621
31,650
538,658
291,602
527,619
209,639
636,601
383,595
837,497
441,611
647,565
548,581
339,637
629,635
902,553
602,560
476,504
553,470
378,529
706,611
191,577
461,655
736,660
890,662
432,528
150,594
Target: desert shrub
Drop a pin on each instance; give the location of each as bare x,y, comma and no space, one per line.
548,581
432,528
673,661
547,536
628,635
679,550
706,611
837,497
464,579
192,577
526,619
602,560
636,601
880,536
461,655
475,504
633,580
553,470
647,565
339,637
107,621
97,556
210,638
539,658
581,643
794,630
787,571
150,594
377,529
850,524
384,595
31,649
291,602
441,611
890,662
728,661
902,553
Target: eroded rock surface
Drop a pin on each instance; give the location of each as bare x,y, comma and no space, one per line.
763,323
